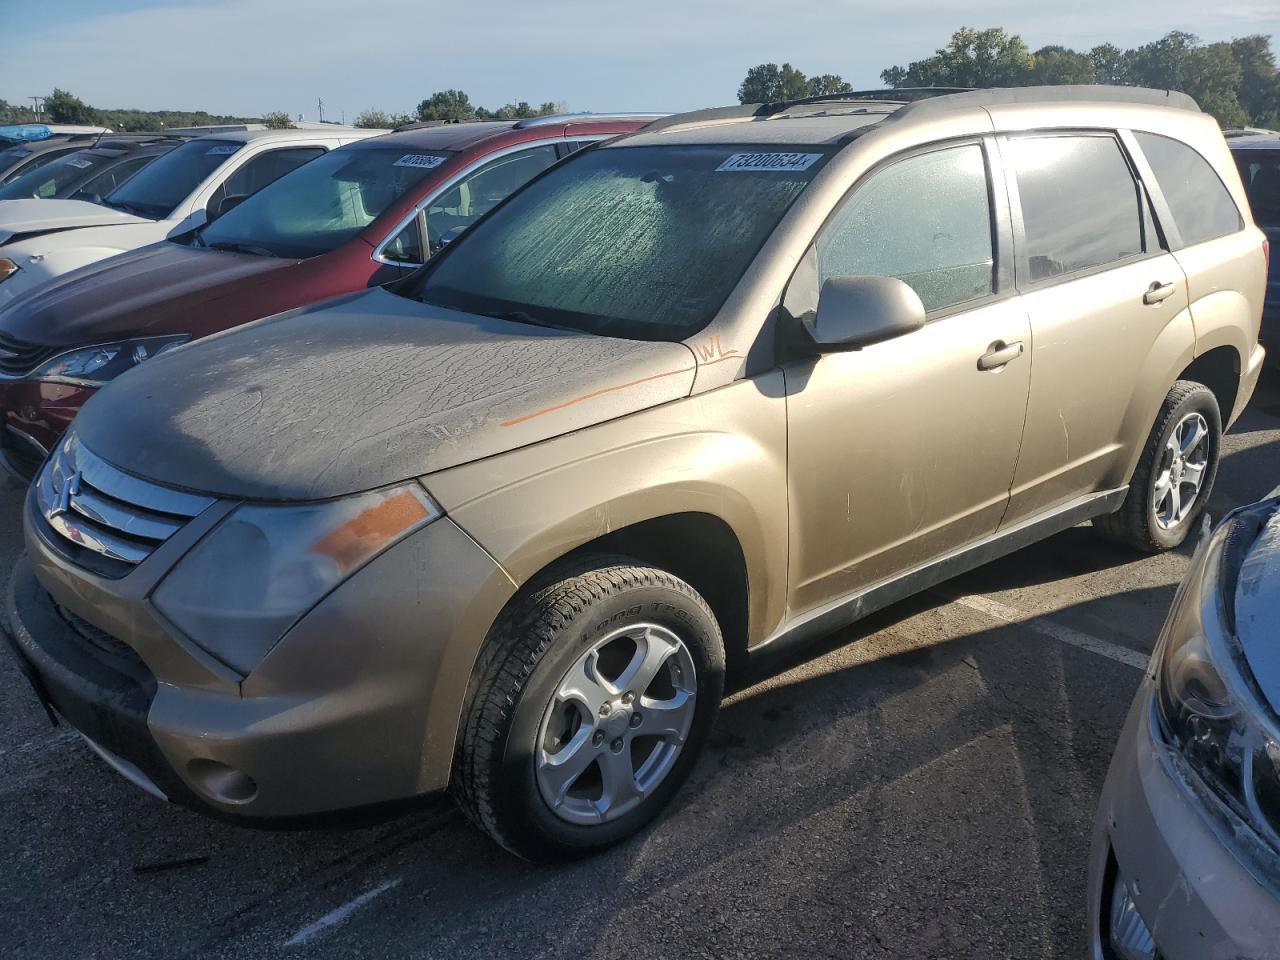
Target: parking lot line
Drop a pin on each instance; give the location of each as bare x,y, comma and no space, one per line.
335,917
1063,634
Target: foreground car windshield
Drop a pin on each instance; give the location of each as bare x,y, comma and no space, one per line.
163,184
644,243
322,204
50,179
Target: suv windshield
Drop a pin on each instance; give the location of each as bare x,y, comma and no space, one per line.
1260,170
160,186
53,178
322,204
644,243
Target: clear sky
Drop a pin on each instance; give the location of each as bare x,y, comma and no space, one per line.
250,56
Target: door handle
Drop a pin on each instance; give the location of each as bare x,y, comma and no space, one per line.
1158,293
1000,353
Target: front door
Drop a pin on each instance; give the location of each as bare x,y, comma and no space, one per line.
906,449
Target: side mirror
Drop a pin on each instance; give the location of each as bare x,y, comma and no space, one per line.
856,311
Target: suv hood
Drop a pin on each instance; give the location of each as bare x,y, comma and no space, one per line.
364,391
133,293
22,218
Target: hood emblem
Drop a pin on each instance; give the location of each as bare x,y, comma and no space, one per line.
63,504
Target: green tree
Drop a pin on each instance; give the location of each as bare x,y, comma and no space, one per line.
827,84
769,83
63,107
15,113
1055,65
1259,79
446,105
277,120
972,58
1110,63
374,120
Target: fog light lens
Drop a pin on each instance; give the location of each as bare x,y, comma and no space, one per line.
1130,937
222,782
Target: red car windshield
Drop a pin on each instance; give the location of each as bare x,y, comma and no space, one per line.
322,204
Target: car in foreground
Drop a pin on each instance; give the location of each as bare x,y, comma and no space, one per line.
364,215
189,186
688,398
92,172
1258,158
25,147
1186,850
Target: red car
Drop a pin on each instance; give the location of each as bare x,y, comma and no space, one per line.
360,216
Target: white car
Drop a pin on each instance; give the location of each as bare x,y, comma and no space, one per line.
187,187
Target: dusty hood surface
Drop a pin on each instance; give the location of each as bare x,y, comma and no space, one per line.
23,217
364,391
151,289
1258,610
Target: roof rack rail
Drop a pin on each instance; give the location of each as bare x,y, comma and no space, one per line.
1097,93
424,124
579,117
882,95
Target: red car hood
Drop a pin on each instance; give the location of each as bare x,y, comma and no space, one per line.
163,288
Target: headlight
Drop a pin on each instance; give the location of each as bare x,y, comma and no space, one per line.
94,366
246,583
1204,690
7,269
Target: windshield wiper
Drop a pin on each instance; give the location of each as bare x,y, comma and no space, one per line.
133,208
520,316
241,248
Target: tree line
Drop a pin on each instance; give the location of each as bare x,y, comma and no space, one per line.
456,106
1236,81
64,107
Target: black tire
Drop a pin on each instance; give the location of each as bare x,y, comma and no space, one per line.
540,634
1134,524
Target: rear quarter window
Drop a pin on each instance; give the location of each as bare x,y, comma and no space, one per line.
1260,171
1200,202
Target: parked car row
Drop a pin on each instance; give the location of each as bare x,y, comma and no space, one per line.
501,514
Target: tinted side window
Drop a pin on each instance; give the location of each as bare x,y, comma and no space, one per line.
263,169
1080,203
1201,205
483,189
925,220
1260,172
405,246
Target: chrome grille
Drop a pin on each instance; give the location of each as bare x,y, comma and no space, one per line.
18,357
99,508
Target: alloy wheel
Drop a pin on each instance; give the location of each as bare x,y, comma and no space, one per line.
1183,463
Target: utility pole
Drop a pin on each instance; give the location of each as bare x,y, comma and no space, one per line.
38,101
320,108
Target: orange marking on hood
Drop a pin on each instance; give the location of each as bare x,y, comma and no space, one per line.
587,396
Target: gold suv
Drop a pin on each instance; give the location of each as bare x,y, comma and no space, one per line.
692,395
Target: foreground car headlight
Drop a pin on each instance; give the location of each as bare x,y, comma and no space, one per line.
249,580
94,366
1205,693
7,269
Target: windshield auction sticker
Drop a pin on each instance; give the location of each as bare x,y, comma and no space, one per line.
770,162
423,160
222,150
79,164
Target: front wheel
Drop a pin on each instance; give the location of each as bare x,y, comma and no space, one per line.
590,703
1171,485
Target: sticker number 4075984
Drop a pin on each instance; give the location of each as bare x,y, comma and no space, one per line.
773,162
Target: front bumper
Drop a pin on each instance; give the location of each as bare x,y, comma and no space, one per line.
1190,884
357,705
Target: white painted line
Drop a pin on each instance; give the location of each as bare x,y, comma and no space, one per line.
335,917
1007,614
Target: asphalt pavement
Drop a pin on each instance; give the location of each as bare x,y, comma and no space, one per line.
923,787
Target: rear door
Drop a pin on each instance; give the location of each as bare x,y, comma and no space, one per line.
1100,291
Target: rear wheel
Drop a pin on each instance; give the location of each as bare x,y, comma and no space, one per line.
1174,478
590,703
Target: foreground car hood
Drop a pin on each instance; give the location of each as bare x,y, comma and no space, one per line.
25,217
366,390
1258,610
129,294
